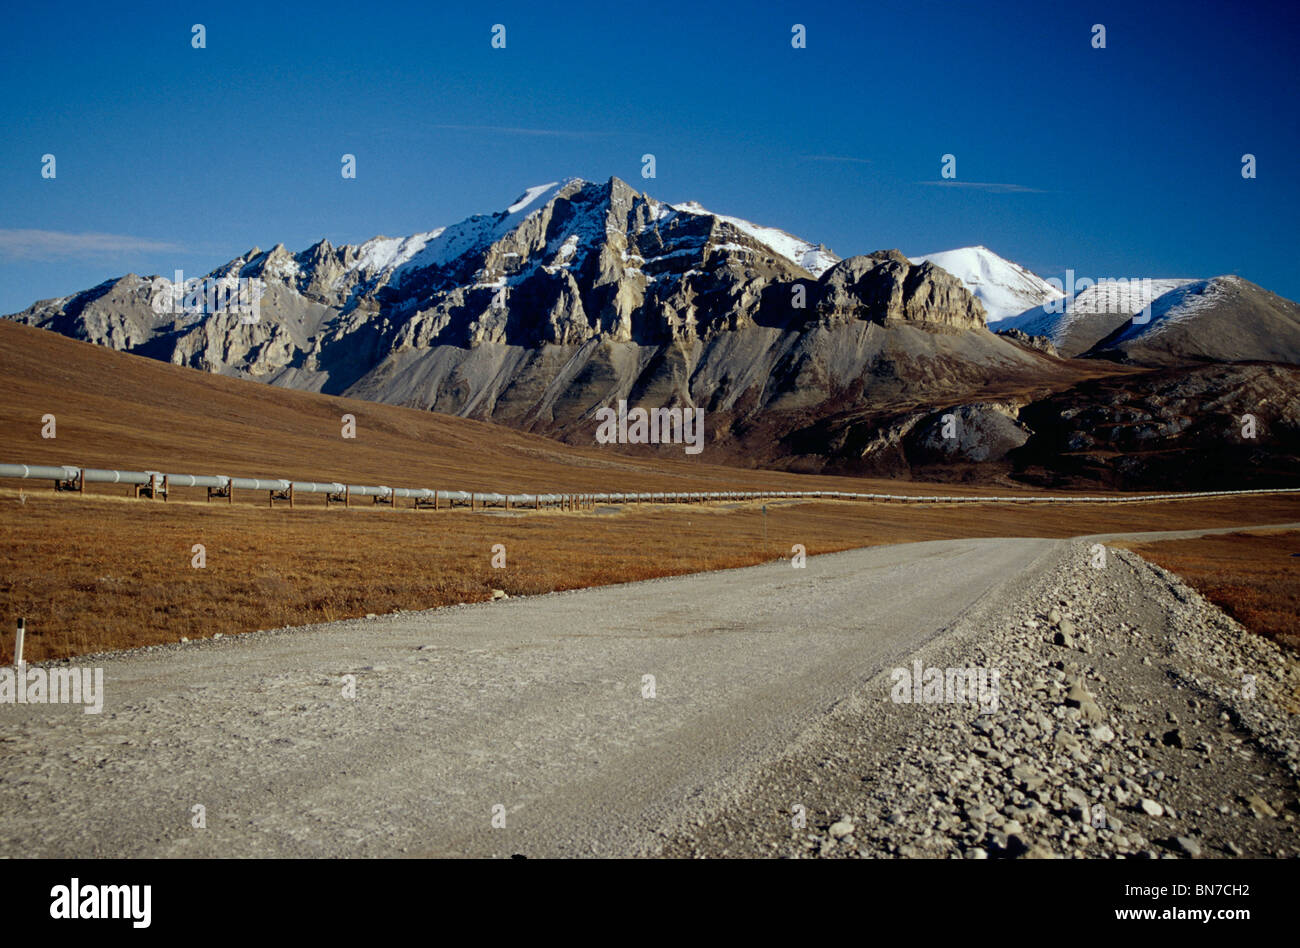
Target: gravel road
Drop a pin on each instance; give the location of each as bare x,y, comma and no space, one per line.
534,713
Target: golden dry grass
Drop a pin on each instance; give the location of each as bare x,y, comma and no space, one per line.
96,573
1254,577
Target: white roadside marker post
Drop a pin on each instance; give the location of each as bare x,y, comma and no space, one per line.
18,643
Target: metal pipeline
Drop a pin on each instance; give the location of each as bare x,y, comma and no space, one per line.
90,475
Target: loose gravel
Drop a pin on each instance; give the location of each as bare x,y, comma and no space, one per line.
1134,720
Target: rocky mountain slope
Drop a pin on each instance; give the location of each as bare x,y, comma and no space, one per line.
1181,426
1075,325
1226,319
574,296
581,294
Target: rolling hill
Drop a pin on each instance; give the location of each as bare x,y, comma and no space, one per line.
1226,319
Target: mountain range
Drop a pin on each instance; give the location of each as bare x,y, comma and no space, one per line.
579,294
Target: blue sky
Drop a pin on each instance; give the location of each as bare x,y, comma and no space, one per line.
1117,162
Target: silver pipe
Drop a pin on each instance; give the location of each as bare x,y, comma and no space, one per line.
99,476
258,483
41,471
195,480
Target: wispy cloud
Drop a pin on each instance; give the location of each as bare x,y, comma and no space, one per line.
848,159
986,186
513,130
61,245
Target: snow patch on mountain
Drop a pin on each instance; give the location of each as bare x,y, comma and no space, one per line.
1179,304
814,258
447,244
1123,297
1105,298
384,254
529,196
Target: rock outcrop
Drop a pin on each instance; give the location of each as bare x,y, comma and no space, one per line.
1040,343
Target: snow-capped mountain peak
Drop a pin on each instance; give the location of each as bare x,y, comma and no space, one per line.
1005,288
358,269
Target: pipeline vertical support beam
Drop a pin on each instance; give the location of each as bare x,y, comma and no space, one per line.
166,484
291,495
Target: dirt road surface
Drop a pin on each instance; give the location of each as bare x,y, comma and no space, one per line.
536,713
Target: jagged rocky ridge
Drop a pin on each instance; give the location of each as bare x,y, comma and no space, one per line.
576,295
580,294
